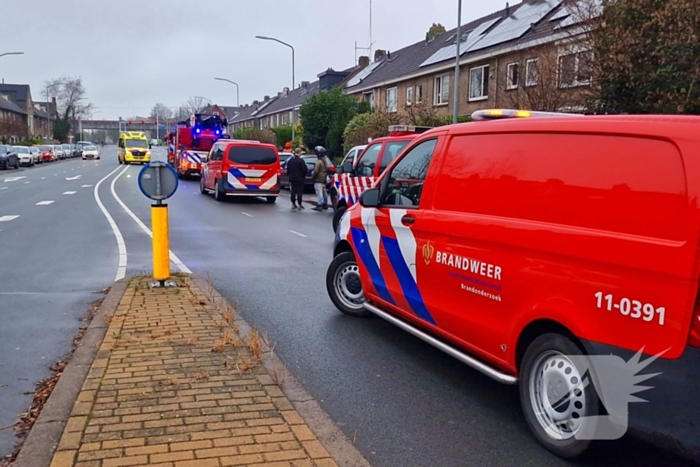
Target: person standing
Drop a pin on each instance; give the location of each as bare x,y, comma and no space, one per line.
297,170
319,178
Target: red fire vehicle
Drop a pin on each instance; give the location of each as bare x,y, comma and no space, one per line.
190,143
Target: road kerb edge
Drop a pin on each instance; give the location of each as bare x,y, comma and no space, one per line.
41,443
328,433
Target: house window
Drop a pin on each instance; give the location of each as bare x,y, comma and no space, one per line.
419,94
531,73
479,83
513,73
391,100
575,69
369,97
442,90
409,95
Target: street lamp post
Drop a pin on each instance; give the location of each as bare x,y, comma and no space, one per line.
455,115
265,38
238,100
11,53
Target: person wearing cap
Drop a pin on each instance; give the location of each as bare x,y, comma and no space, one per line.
319,176
297,170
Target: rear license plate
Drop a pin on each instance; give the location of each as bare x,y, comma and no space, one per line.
248,179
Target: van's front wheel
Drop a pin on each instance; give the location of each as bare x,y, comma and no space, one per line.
344,285
557,402
219,193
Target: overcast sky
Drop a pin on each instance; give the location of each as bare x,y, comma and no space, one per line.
134,53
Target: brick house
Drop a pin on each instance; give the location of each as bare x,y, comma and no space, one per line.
285,108
248,115
13,121
530,56
21,96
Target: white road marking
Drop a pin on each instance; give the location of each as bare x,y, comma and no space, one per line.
69,192
86,186
73,178
173,256
64,171
121,268
27,182
7,218
4,188
44,203
14,179
43,178
297,233
246,214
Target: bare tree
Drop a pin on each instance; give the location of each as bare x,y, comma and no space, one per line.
70,97
420,113
161,112
194,105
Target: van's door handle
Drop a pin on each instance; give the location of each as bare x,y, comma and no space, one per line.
408,219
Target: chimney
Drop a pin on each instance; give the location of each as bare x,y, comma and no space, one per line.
279,94
364,61
286,91
267,98
388,54
256,103
379,54
507,10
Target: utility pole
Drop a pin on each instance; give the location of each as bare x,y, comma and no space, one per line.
455,105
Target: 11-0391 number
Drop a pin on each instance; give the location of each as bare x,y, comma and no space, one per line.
632,308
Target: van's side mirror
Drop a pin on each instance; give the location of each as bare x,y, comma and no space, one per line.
339,169
370,198
346,167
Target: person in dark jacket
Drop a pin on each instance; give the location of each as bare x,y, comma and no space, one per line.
297,170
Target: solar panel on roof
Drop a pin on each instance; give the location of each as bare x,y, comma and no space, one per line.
357,79
594,9
517,24
561,14
450,52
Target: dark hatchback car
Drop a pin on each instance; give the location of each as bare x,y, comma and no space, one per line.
8,157
310,162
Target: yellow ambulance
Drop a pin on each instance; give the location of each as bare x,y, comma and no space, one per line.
133,147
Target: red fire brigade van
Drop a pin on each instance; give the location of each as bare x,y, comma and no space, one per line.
353,177
241,168
532,249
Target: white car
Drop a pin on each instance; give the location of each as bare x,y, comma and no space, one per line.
24,155
36,154
91,152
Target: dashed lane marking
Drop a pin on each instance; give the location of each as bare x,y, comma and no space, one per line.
44,203
73,178
86,186
14,179
246,214
4,188
7,218
43,178
27,182
297,233
69,192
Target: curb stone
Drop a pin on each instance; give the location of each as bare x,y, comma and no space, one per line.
39,447
331,437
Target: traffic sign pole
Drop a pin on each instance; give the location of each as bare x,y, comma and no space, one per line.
158,181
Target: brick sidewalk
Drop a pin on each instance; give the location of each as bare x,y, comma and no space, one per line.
173,385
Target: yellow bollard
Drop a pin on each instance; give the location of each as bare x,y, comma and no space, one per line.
161,246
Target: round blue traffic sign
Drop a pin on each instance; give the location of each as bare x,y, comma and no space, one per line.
158,180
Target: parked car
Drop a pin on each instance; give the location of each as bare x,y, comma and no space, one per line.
36,153
79,147
505,245
90,152
25,156
310,163
352,155
47,153
58,150
284,156
67,151
8,157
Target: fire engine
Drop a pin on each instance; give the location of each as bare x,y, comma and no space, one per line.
189,144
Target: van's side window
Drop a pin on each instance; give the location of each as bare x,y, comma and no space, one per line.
392,150
217,153
407,177
366,165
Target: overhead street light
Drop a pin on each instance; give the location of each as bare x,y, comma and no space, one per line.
238,100
265,38
11,53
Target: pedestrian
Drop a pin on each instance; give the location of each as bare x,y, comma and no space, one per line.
297,170
319,178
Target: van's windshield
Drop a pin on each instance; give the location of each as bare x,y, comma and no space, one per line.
136,143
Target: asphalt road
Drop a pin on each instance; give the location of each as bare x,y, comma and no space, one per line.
404,403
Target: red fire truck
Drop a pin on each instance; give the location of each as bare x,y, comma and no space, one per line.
189,144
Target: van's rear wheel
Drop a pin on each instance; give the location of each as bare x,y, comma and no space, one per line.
336,217
219,193
202,190
557,403
344,286
271,199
